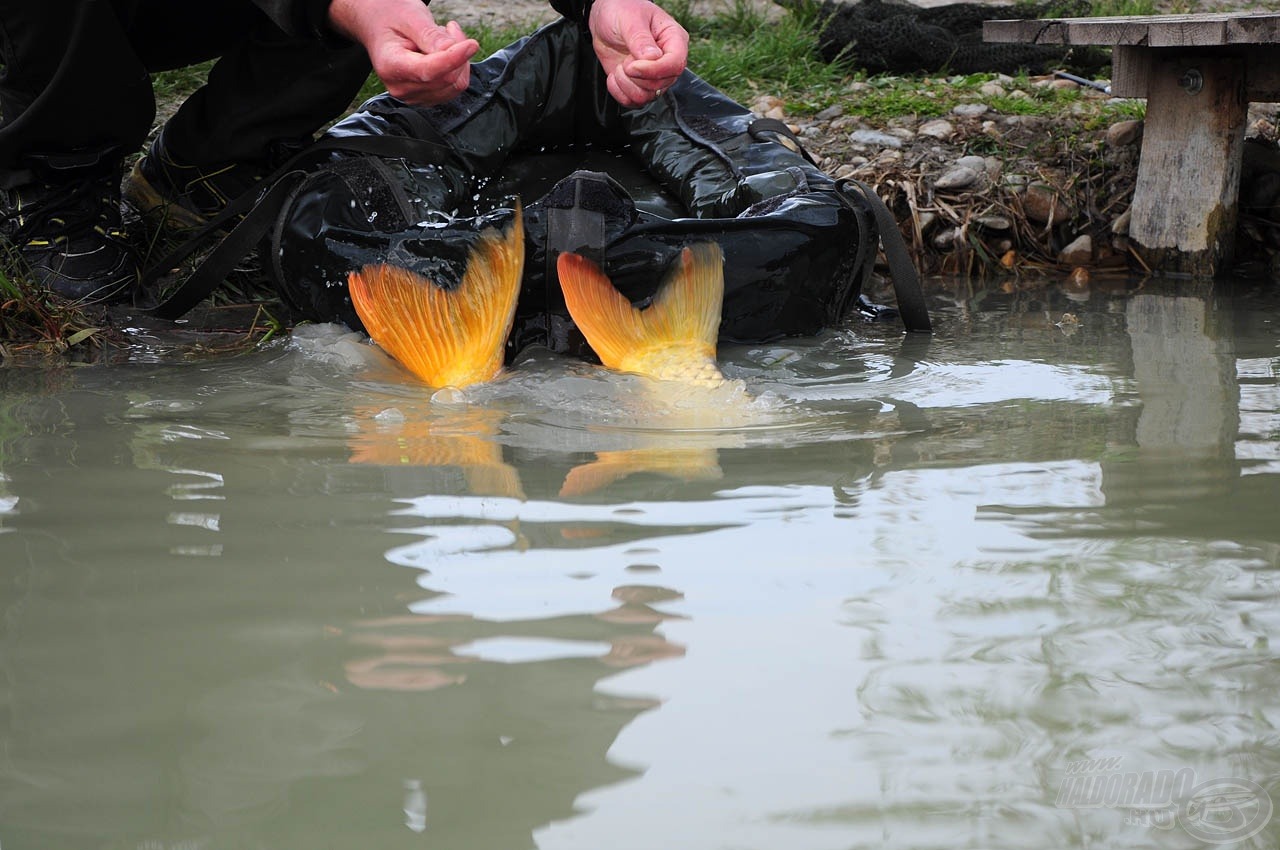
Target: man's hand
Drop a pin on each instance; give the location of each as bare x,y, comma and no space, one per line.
419,61
641,48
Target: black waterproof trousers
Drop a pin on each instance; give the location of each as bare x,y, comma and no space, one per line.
75,91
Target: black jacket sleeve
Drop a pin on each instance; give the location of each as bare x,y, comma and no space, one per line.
300,17
574,10
311,17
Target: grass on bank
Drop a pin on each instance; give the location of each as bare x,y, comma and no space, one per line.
31,319
739,49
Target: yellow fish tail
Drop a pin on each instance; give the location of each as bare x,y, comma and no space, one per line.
448,338
674,338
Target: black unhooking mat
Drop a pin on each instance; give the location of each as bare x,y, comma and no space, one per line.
899,38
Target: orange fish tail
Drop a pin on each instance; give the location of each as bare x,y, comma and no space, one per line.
685,312
448,338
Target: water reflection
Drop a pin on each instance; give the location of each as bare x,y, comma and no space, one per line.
288,600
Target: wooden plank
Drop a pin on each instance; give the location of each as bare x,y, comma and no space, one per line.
1184,201
1253,29
1200,30
1209,33
1131,70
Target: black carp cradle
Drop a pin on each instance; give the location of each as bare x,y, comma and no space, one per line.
627,188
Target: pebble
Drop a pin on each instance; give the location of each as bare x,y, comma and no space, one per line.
947,238
1040,203
970,110
1123,133
992,89
850,168
959,177
1078,279
938,128
766,102
875,137
977,163
1079,252
830,113
993,222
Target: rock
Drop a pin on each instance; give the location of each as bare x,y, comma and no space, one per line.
959,177
1123,133
993,222
992,129
1079,252
777,113
947,238
1040,203
1064,84
927,220
938,128
992,89
766,102
969,110
831,112
850,168
977,163
875,137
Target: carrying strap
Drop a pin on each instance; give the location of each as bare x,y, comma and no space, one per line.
906,280
260,210
773,130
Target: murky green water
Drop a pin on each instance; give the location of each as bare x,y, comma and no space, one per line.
889,595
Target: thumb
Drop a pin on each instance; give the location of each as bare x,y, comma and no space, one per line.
641,44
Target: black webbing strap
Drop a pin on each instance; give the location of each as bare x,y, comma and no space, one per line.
906,280
260,210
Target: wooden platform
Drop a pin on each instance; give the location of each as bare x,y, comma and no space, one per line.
1198,73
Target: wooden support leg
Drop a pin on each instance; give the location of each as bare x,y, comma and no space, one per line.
1184,203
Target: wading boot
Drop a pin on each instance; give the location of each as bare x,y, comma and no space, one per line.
171,195
68,238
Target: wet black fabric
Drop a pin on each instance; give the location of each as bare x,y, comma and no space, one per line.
538,124
76,84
